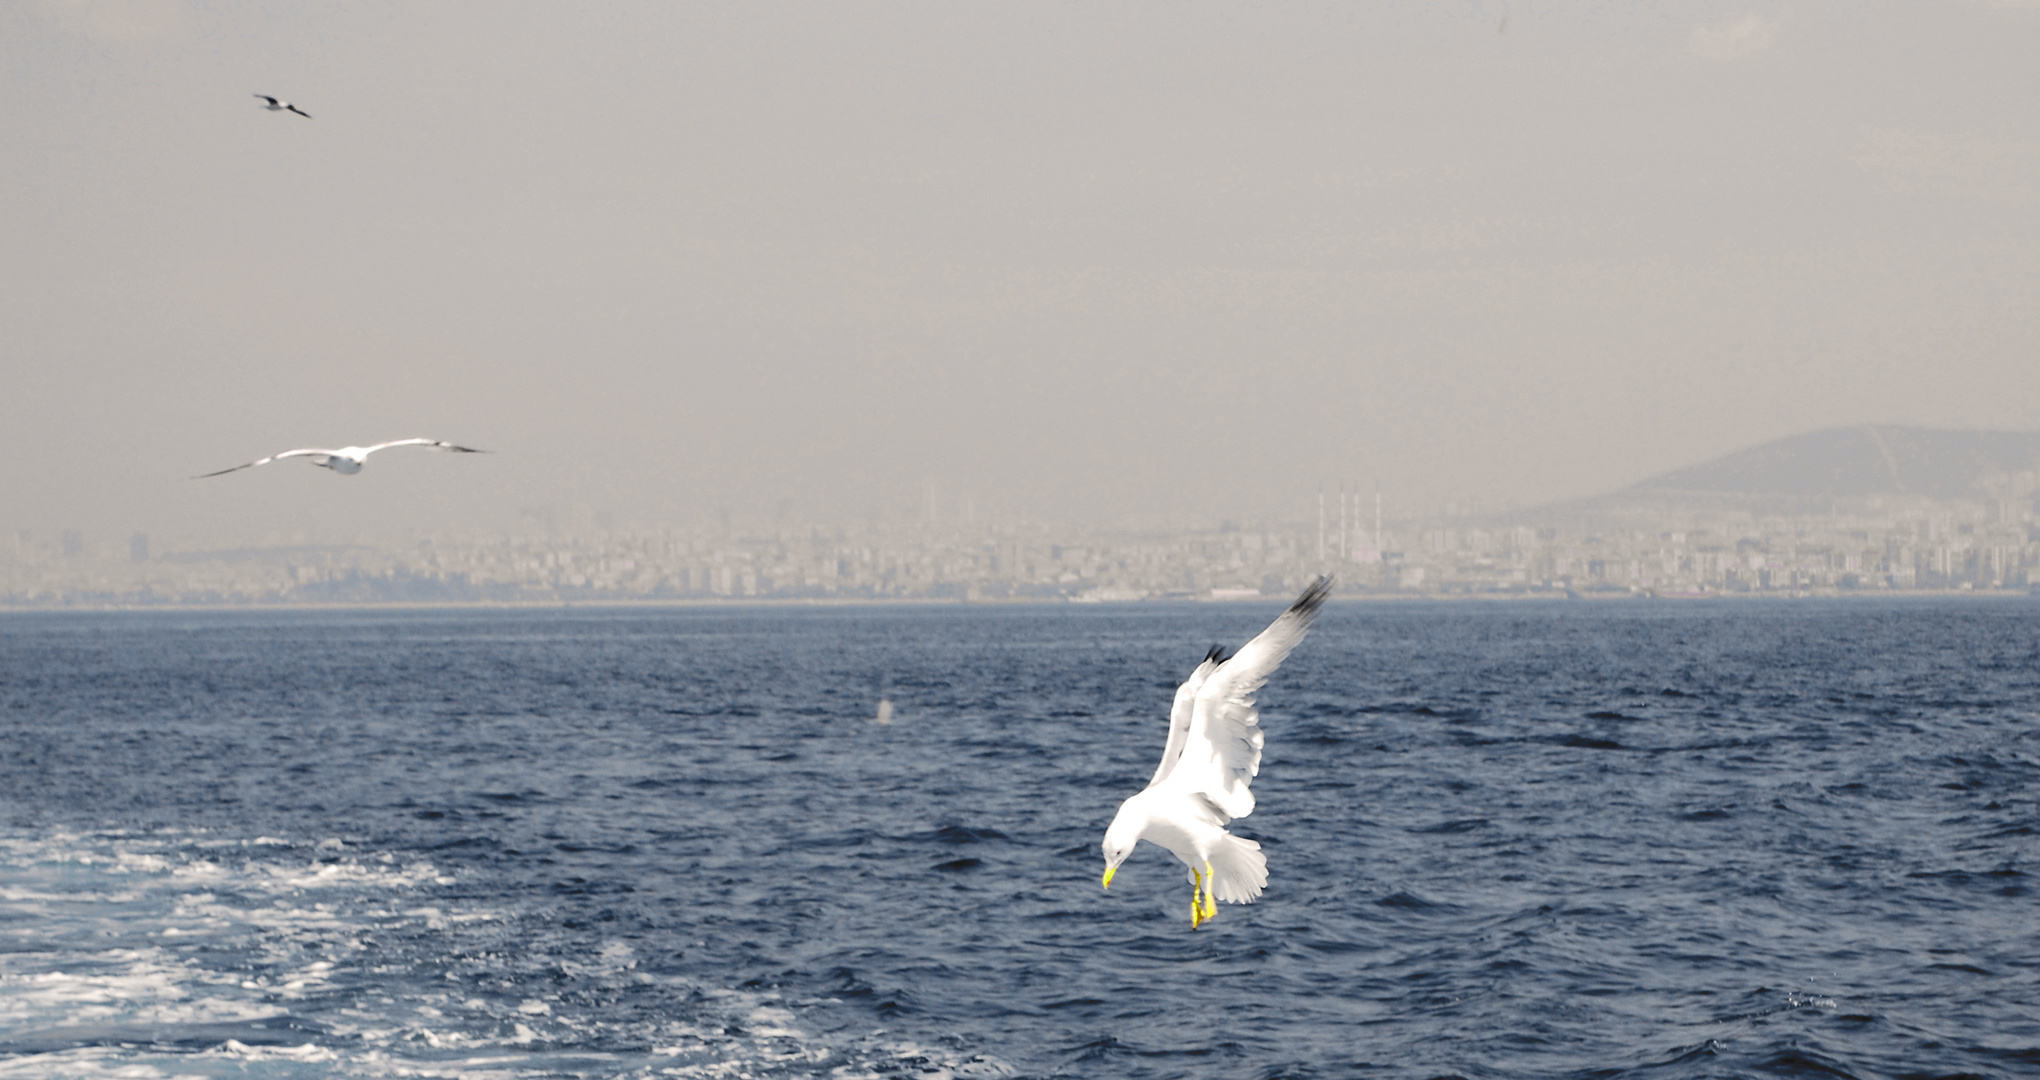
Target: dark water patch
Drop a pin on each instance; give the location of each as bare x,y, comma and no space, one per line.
1589,743
467,843
1804,1063
1460,825
963,834
1472,739
1408,901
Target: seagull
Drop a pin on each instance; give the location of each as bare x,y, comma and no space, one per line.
279,106
1214,750
347,460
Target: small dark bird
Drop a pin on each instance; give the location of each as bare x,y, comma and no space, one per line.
279,106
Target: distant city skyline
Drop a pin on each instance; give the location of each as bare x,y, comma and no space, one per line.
1764,521
1869,547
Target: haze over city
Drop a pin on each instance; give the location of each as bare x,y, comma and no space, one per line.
807,263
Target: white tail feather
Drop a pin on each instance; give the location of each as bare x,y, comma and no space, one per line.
1240,870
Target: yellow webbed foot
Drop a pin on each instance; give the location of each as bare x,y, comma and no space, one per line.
1210,897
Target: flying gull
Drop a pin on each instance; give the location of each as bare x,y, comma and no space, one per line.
1214,750
347,459
279,106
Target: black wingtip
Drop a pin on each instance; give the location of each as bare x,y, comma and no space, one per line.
1313,598
1217,653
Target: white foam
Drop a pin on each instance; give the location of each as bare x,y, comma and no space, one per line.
87,1063
309,1052
171,891
129,986
127,924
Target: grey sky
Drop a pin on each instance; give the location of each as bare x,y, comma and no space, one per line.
671,261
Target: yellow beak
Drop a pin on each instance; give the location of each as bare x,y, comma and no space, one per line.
1108,875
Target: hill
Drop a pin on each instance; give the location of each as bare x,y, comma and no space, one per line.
1857,461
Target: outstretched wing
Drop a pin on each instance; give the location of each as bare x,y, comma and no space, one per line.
1222,750
433,443
299,111
272,101
1179,713
316,453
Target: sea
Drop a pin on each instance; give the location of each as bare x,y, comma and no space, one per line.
1568,839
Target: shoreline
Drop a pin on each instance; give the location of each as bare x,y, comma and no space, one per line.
781,603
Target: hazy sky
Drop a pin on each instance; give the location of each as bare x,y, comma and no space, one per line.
674,261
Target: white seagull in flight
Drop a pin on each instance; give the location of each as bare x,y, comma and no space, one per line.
348,459
279,106
1213,753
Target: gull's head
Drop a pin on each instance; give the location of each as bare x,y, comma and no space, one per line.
1119,841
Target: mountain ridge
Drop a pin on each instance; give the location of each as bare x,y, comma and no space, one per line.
1862,460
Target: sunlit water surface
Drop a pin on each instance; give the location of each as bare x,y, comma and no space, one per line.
1640,839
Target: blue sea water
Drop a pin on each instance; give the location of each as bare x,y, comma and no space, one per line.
1620,839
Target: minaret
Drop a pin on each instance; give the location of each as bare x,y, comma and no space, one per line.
1321,525
1345,546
